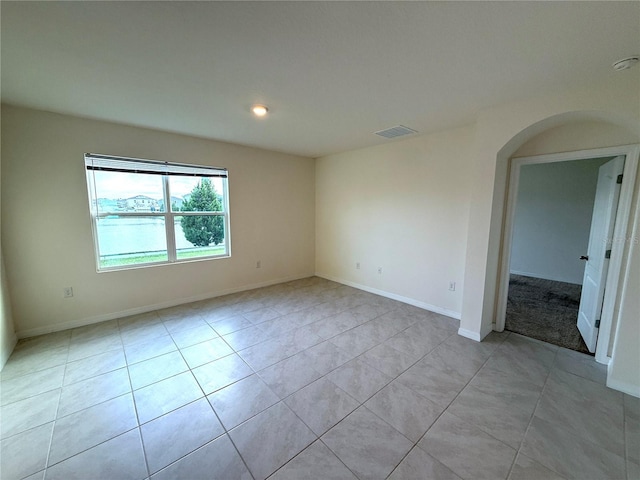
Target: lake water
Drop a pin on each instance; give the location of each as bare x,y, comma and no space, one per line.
136,234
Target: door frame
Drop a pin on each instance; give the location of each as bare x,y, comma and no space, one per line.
623,213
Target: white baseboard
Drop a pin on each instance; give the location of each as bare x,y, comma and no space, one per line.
486,330
477,336
393,296
81,322
7,353
633,390
624,387
470,334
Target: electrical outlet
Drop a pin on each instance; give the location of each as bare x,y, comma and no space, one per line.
379,270
357,265
67,292
452,286
258,264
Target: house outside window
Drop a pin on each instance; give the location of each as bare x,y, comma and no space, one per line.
145,212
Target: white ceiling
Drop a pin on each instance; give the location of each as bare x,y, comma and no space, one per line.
331,72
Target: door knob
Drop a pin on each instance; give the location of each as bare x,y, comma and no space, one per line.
584,257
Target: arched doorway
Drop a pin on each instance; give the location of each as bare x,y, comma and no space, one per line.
569,148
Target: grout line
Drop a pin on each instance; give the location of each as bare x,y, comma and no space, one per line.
282,400
246,465
624,438
283,301
204,396
92,446
533,414
53,429
130,392
135,407
335,455
141,438
451,402
362,404
226,432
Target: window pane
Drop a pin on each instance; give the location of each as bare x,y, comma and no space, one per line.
196,194
199,236
131,240
128,192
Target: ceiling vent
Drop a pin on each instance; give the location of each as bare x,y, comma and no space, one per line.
394,132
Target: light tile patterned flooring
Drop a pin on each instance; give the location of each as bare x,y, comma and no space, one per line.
307,380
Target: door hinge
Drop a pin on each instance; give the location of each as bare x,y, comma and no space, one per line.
607,254
597,323
619,180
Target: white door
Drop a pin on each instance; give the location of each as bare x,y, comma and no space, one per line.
595,272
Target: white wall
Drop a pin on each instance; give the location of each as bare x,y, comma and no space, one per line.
624,367
582,135
590,135
402,206
46,234
347,229
8,337
500,131
553,219
460,186
603,116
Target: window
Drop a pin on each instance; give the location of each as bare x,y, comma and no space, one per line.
146,212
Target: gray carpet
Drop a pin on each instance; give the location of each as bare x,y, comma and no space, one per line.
545,310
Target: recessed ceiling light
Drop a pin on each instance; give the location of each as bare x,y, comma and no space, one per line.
259,110
625,63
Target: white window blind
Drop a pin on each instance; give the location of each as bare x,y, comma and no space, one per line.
107,163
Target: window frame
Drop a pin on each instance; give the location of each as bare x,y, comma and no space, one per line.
166,170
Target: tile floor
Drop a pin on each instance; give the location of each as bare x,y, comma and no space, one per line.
307,380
